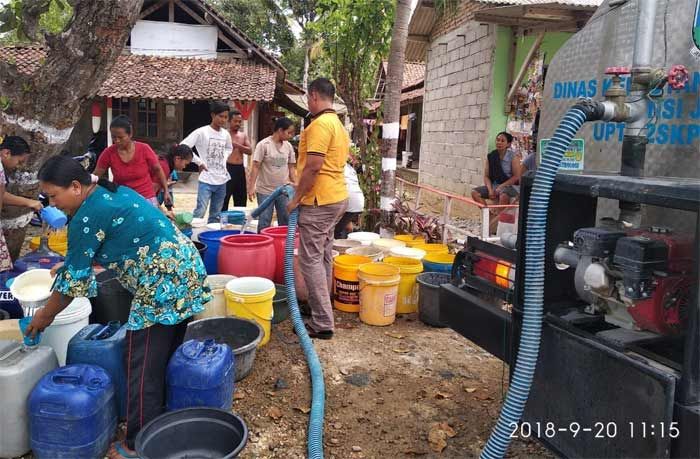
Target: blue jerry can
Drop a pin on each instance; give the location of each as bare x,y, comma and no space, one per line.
200,374
103,345
72,413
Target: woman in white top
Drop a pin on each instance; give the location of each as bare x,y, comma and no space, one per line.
273,166
356,204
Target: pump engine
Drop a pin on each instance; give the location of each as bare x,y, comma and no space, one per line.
639,280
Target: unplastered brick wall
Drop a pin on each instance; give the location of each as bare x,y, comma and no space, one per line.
455,16
456,107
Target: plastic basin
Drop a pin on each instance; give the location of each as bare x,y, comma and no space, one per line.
192,433
242,335
279,304
429,297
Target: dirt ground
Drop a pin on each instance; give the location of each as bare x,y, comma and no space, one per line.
406,390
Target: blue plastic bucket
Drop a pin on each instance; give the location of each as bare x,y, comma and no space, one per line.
235,217
212,239
438,263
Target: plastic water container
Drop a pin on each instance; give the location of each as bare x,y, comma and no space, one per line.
20,369
507,223
103,345
66,324
36,260
72,413
248,255
200,374
217,306
7,301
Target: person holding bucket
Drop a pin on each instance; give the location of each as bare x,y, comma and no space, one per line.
115,227
14,151
322,197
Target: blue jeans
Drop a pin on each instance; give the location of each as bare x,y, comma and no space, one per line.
214,196
265,218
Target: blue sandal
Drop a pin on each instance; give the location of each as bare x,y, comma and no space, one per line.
123,453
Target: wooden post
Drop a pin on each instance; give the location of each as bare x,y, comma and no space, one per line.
523,68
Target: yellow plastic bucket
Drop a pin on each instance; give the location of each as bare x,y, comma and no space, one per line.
58,242
410,239
433,248
251,298
379,289
407,302
346,285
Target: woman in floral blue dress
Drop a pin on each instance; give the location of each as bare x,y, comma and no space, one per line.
115,227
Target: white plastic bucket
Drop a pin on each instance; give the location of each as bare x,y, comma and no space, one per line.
32,289
365,237
407,252
217,306
387,244
66,324
375,253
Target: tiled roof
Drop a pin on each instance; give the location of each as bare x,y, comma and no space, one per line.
584,3
27,58
413,73
158,77
412,94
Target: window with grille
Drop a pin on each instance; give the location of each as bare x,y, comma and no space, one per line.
121,106
147,118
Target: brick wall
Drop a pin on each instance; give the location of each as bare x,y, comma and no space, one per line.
453,18
456,107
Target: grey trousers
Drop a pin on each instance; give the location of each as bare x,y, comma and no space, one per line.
316,226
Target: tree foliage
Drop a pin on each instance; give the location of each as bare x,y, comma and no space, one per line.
264,21
356,36
16,27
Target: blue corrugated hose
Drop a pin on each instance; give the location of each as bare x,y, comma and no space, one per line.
314,442
526,362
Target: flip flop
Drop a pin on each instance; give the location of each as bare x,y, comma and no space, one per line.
124,453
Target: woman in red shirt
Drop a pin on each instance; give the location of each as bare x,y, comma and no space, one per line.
132,163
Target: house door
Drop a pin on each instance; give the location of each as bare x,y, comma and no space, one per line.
196,115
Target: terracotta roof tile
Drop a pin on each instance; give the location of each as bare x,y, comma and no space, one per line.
160,77
188,78
27,58
413,73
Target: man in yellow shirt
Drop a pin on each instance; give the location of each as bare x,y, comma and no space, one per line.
322,197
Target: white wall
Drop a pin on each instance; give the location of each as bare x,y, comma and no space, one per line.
157,38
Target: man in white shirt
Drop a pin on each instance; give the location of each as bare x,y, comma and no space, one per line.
356,204
213,145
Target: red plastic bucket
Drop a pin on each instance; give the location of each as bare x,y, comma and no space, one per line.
279,236
244,255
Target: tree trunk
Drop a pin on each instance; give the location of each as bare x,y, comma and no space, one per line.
44,105
392,111
305,78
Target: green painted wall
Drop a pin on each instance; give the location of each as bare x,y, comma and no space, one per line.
497,121
504,36
550,45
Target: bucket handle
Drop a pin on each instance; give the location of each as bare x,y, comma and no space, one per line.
11,352
255,314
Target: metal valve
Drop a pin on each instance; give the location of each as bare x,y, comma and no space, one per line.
678,76
617,71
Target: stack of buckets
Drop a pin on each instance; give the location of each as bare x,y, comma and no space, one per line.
380,290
